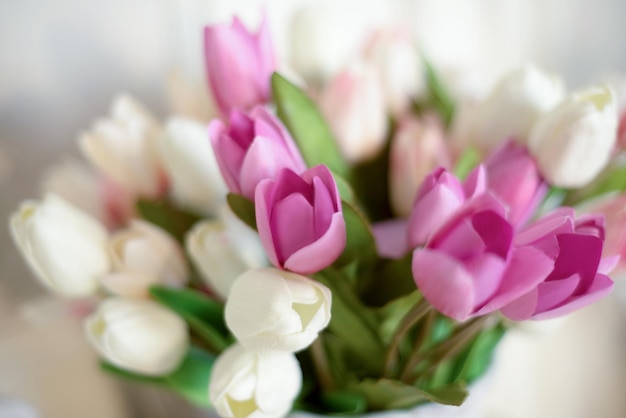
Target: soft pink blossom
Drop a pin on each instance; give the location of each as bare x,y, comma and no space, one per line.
251,148
470,266
578,277
513,177
300,220
239,65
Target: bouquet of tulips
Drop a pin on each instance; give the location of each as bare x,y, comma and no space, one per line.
339,248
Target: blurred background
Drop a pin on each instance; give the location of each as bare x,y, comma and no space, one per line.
62,62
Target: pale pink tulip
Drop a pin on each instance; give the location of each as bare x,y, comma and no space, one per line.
251,148
300,220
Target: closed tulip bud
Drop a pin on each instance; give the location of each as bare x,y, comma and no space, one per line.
144,255
513,177
252,384
222,250
574,141
354,106
253,147
138,335
124,147
513,106
395,56
189,160
65,247
300,220
270,309
239,65
417,148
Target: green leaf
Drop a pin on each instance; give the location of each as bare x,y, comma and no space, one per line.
307,126
345,190
439,97
360,242
172,219
384,394
243,208
343,402
467,161
612,180
477,359
190,380
393,312
204,315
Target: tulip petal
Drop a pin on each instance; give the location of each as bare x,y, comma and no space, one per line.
293,225
321,253
431,212
486,271
262,202
444,282
390,238
323,206
475,183
273,369
495,232
522,308
579,254
554,292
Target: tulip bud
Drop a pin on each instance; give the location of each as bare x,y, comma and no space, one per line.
124,148
143,255
271,309
513,177
300,220
513,106
222,250
395,56
354,106
417,148
65,248
251,384
191,166
253,147
138,335
573,142
239,65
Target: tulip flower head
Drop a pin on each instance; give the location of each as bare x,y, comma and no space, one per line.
300,220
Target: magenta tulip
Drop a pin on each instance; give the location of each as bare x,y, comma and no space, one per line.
439,197
513,177
254,147
300,220
578,277
470,267
239,65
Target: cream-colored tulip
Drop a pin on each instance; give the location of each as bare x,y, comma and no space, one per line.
144,255
271,309
124,147
65,247
417,148
138,335
513,107
255,384
354,106
223,249
190,164
394,54
574,141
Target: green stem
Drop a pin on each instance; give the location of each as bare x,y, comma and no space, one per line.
414,357
410,319
320,364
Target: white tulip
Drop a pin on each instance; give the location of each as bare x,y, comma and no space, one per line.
124,147
395,56
513,106
573,142
188,158
254,384
271,309
143,255
417,148
138,335
222,250
354,106
65,247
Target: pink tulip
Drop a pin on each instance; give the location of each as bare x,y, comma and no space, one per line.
300,220
614,210
512,176
470,266
239,65
439,197
390,237
575,282
254,147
